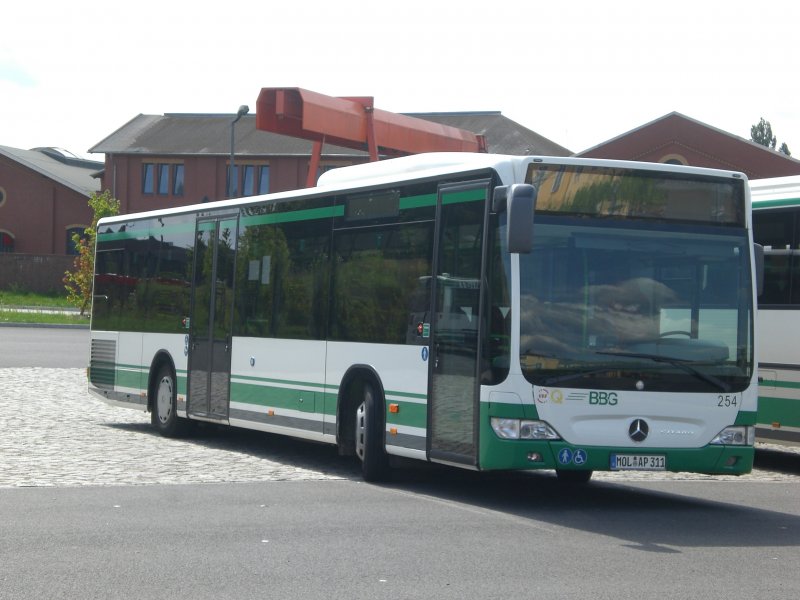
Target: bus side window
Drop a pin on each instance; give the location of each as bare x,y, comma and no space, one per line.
777,279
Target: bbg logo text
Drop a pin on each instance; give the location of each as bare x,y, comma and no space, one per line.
603,398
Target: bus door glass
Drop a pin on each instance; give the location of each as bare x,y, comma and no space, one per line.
453,405
210,325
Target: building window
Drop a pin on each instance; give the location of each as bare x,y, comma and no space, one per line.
6,242
2,196
263,179
177,180
253,178
248,180
148,178
232,183
71,231
674,159
163,180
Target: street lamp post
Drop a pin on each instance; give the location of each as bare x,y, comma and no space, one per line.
243,110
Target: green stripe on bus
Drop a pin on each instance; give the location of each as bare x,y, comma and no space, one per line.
183,385
134,233
130,379
410,414
757,204
280,382
745,417
326,386
309,214
119,235
127,366
276,397
779,410
406,395
143,369
329,401
780,384
420,201
472,195
327,212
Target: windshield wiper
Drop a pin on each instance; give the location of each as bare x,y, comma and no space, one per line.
675,362
578,375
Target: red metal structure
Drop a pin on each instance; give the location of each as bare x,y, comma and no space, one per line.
355,123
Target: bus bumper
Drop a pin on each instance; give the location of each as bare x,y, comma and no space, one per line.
524,454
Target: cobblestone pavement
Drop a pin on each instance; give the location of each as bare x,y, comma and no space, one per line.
53,433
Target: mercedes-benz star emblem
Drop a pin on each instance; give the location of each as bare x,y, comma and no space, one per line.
638,430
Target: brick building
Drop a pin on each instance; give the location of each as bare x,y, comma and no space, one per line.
43,199
678,139
161,161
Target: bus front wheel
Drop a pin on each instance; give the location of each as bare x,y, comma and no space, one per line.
369,437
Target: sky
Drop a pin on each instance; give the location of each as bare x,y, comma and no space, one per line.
577,72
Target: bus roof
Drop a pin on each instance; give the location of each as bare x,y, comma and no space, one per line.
418,166
510,169
775,192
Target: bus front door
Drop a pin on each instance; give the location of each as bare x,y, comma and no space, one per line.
455,327
211,318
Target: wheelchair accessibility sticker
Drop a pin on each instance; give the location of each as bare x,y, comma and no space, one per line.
567,456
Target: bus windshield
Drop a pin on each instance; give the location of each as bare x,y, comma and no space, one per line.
628,304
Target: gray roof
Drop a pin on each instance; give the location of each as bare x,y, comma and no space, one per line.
204,134
503,135
61,166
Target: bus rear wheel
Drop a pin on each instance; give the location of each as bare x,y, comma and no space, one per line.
369,437
164,411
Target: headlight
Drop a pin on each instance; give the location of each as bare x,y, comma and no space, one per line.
741,435
508,429
515,429
537,430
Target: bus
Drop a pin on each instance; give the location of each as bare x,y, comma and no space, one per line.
474,310
776,226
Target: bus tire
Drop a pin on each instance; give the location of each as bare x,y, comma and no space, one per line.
164,411
369,436
565,476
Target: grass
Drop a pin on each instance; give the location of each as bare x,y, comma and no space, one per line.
37,304
15,298
37,318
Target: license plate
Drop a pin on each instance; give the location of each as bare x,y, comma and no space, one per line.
638,462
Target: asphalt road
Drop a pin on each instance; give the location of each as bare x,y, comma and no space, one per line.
442,535
95,505
59,347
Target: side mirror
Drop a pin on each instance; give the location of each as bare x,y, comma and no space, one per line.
758,255
520,205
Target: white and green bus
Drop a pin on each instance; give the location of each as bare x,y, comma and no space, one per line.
776,226
481,311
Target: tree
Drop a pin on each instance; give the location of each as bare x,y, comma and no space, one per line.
761,133
79,281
